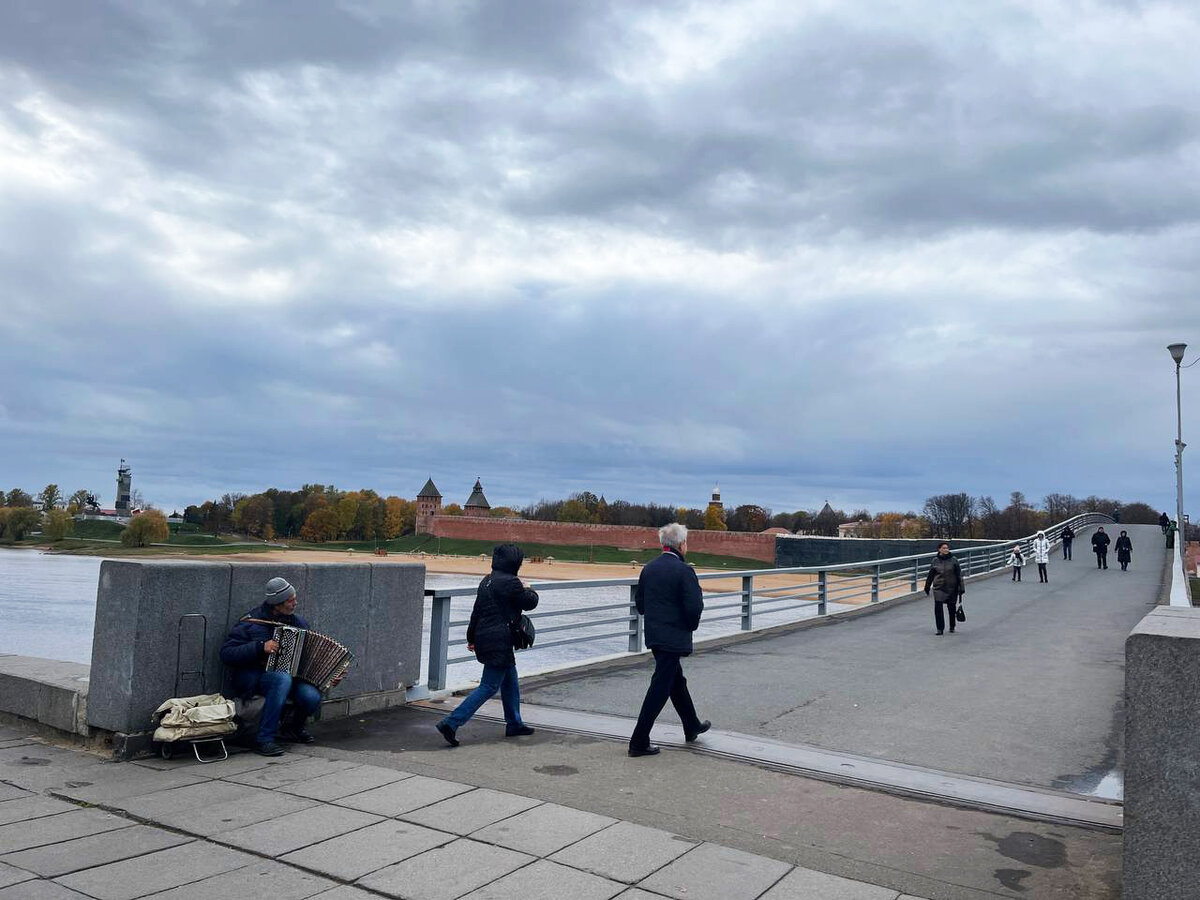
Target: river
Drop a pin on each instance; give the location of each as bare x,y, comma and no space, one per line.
48,606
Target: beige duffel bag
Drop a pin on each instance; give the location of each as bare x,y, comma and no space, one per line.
190,718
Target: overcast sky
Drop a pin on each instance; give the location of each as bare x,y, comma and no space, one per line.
860,252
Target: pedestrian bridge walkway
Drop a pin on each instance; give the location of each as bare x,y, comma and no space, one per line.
1028,692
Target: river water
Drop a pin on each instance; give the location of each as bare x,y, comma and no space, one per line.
48,605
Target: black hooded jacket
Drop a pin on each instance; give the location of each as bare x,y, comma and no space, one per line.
500,600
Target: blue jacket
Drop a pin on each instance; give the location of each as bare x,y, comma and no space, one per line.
243,652
668,596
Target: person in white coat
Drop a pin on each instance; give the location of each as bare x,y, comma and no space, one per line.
1016,559
1041,555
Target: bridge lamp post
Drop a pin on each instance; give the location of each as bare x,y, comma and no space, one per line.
1177,355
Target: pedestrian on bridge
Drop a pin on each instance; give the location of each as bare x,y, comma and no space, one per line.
1041,556
945,578
1164,522
669,598
1100,542
1068,535
1017,561
1124,548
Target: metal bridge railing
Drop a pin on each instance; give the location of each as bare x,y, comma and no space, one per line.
815,586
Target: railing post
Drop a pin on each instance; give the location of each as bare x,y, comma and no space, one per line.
916,574
968,565
747,602
822,592
875,584
635,622
439,640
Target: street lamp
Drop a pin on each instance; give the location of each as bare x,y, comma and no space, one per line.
1177,355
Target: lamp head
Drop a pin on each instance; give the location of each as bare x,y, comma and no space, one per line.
1177,352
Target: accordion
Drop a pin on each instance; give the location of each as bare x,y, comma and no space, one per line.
309,656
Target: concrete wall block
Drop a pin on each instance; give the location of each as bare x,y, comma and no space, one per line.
393,649
337,603
118,600
18,696
1162,759
365,703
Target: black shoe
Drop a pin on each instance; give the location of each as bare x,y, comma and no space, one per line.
448,733
690,736
269,748
297,736
939,633
517,730
649,750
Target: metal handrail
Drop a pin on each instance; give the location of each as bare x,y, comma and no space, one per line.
868,578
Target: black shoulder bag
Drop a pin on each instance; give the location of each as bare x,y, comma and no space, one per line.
520,630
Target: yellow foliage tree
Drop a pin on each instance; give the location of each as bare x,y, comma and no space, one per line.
58,524
320,526
400,517
714,518
146,528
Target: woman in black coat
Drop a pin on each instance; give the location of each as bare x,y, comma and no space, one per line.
945,579
501,598
1124,548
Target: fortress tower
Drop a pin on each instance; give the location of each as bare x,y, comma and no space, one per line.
124,488
477,504
429,504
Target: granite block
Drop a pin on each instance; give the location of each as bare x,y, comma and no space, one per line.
155,872
625,852
276,836
465,813
260,879
404,796
354,855
544,829
11,792
394,640
342,784
135,649
10,875
231,814
121,781
296,769
446,873
713,872
544,880
800,884
193,796
338,604
55,829
346,892
40,890
94,850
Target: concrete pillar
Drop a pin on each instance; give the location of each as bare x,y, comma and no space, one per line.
1162,756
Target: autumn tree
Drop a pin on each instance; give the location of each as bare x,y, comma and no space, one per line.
18,521
714,518
255,516
78,501
146,528
748,517
400,517
51,496
320,526
59,524
452,509
18,499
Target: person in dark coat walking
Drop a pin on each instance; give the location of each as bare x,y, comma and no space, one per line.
945,578
499,602
669,598
245,652
1100,542
1124,548
1068,535
1164,522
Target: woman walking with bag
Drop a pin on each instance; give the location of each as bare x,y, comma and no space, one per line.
1041,555
499,603
1016,560
945,578
1124,548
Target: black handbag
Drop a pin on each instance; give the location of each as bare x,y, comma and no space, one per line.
959,615
520,630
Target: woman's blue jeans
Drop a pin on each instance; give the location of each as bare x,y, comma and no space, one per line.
495,678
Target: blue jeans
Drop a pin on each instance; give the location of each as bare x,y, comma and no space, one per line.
495,678
276,688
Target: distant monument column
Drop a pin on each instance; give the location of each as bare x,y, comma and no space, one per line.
124,489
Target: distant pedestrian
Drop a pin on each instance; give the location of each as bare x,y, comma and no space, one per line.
1068,536
1041,555
1124,548
1017,561
498,603
946,580
1100,542
1164,522
669,598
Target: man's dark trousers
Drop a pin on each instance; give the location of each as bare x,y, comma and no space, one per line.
1101,559
666,682
1066,549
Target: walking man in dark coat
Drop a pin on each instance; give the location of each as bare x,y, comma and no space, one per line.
945,579
1164,522
669,598
1068,536
1100,542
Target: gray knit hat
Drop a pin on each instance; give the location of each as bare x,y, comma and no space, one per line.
279,591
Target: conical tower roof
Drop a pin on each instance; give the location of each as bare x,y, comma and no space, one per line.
826,509
430,490
477,500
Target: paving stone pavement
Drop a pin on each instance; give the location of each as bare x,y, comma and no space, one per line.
75,826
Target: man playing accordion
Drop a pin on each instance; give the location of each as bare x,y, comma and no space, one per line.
246,652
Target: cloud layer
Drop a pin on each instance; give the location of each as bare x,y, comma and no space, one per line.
814,252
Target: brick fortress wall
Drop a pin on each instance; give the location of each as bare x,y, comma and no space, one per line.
747,545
